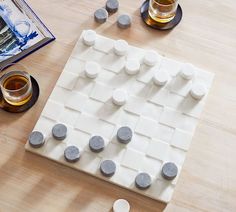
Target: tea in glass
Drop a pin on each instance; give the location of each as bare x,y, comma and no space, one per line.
162,11
16,87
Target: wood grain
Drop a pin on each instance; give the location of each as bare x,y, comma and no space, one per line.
205,37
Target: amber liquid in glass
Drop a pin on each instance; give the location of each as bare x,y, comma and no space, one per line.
162,11
19,86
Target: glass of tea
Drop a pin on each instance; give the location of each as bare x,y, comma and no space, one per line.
16,86
162,11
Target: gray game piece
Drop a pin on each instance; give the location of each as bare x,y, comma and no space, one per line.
124,21
59,131
100,15
36,139
112,6
143,181
96,143
108,168
169,171
72,154
124,135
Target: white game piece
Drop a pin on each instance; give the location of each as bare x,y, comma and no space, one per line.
198,91
121,47
119,97
89,37
121,205
160,78
92,69
150,58
187,71
132,66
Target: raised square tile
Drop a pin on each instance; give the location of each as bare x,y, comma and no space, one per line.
101,92
158,149
67,80
68,116
76,101
84,85
132,159
146,127
152,111
75,66
181,139
52,109
151,166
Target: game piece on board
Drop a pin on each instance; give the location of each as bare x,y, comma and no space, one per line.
198,91
143,181
92,69
169,171
96,143
59,131
72,154
121,47
150,58
112,6
124,21
100,15
121,205
124,135
132,66
108,168
187,71
119,97
160,78
36,139
89,37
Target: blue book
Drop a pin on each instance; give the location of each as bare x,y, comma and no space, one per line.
21,32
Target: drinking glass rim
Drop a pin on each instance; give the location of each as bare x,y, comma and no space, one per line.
164,5
22,73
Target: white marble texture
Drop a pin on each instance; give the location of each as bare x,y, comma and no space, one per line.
163,118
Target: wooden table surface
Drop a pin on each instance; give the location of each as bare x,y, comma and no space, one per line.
206,37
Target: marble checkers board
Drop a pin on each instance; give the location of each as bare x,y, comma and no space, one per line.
163,118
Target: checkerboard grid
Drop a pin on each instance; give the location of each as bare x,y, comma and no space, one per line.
71,86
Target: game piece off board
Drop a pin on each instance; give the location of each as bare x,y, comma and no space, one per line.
129,121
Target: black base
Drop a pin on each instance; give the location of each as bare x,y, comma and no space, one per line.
156,25
18,109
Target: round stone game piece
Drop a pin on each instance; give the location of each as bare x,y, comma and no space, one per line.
169,171
132,66
92,69
198,91
121,47
124,21
72,154
143,181
36,139
59,131
108,168
100,15
150,58
96,143
160,78
112,6
121,205
187,72
89,37
124,135
119,97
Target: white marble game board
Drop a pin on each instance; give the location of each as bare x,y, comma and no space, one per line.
163,118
